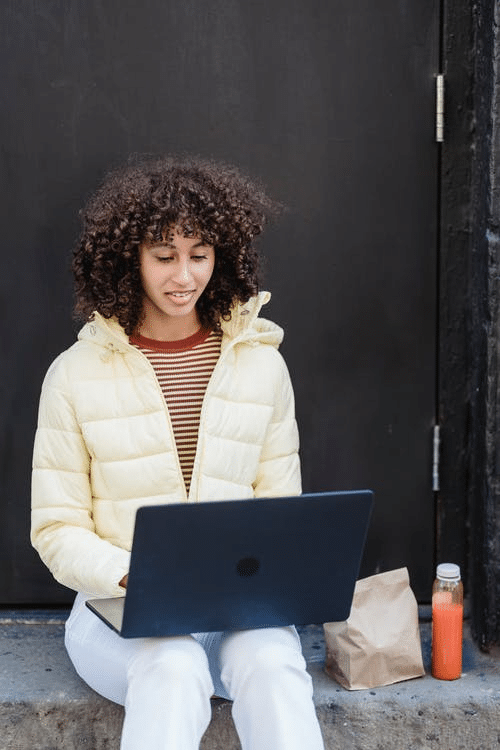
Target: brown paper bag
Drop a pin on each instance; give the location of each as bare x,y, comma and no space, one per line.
379,643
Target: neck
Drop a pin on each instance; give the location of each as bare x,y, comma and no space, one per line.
171,329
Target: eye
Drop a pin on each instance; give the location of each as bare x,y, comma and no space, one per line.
164,258
199,257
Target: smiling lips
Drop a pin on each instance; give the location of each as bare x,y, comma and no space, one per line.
181,295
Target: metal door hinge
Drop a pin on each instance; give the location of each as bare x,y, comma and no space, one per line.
435,458
439,108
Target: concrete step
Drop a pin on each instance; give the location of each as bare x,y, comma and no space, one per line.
45,706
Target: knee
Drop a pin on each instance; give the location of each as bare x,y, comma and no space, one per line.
261,657
268,661
275,659
174,660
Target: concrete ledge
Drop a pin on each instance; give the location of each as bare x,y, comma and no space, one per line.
45,706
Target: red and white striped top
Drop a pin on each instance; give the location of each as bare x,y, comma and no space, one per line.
183,369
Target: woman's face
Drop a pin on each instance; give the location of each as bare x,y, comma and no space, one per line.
174,275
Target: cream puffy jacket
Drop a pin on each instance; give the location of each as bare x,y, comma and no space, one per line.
104,444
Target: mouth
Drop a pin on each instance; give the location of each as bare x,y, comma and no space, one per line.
181,298
180,295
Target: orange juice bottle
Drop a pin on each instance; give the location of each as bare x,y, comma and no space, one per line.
447,622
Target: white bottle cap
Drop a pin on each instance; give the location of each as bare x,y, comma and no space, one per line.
448,572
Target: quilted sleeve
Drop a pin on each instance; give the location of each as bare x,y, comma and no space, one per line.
279,466
62,527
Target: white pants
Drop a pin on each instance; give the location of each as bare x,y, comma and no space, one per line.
166,684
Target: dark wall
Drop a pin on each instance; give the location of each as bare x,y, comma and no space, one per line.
332,105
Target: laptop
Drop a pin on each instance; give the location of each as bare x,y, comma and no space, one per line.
241,564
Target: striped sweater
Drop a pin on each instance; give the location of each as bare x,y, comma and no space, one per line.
183,369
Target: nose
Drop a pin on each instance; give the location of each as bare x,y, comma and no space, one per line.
182,273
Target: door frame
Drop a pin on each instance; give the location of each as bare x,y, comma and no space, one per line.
469,293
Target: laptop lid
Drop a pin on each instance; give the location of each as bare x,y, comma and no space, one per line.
240,564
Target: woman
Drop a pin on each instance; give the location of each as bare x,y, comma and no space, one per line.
174,392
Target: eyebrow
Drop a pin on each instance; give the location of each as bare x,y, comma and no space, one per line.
169,246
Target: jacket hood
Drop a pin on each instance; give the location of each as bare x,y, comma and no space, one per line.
244,325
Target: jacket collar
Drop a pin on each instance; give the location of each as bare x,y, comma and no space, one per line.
105,332
243,325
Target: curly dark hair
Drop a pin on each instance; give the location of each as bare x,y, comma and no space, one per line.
142,201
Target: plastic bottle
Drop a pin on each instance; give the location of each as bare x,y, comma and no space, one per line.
447,622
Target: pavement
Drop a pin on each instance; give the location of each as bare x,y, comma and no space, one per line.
45,706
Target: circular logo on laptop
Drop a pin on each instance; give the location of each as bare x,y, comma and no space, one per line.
248,566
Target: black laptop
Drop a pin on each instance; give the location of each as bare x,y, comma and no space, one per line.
232,565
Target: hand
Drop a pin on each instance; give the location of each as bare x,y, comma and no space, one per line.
124,581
